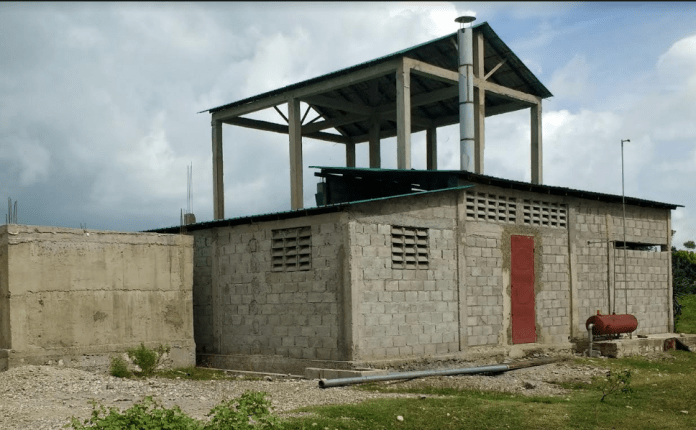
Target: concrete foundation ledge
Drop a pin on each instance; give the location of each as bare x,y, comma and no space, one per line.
94,358
316,373
487,354
626,347
326,369
268,363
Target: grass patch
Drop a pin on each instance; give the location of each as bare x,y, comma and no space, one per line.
193,373
663,387
686,322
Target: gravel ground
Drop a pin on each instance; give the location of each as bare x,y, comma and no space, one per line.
45,397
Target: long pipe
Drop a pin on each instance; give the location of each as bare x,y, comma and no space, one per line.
496,368
466,98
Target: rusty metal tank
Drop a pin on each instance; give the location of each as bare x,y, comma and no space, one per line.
611,324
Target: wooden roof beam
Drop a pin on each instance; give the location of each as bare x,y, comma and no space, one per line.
284,129
309,90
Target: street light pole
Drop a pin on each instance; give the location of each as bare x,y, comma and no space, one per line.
623,204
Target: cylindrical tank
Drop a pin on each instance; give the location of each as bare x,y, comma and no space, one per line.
611,324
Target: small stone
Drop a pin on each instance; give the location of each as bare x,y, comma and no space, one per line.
400,418
628,407
61,363
529,386
684,412
268,378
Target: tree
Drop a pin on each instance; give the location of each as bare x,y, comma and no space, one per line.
689,244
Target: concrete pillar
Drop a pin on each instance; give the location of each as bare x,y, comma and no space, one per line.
350,154
431,148
375,150
479,105
537,159
295,133
403,117
218,182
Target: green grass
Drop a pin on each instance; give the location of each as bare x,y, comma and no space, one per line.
662,388
194,373
686,322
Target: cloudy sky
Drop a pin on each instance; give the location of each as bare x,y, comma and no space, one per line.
99,101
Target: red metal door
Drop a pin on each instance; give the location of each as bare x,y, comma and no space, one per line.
522,289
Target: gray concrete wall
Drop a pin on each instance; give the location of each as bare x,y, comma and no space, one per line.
356,305
243,307
405,312
599,269
78,296
489,216
5,338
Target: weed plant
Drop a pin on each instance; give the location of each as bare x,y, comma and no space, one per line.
251,411
119,367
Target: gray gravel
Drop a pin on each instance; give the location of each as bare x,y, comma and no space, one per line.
45,397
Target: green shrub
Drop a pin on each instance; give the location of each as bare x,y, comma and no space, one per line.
147,359
145,415
250,412
119,367
617,382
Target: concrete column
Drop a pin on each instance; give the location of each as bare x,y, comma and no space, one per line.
375,150
670,288
350,154
295,133
431,148
479,105
573,268
403,117
218,182
537,159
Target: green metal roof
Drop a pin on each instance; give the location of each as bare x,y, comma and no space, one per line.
438,52
272,216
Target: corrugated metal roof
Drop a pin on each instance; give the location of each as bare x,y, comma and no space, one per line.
271,216
415,175
440,52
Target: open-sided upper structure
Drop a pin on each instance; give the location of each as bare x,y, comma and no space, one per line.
396,95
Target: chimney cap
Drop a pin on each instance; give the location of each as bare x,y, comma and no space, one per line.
465,19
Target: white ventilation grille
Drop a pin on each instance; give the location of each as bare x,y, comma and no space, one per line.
409,248
491,208
543,214
292,249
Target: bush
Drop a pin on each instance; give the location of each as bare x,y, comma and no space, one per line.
145,415
147,359
250,412
119,367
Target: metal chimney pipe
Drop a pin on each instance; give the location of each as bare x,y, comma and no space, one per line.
466,93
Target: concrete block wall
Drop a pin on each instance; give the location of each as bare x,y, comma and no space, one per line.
203,292
600,269
486,279
81,295
5,338
405,312
244,307
553,296
593,266
647,292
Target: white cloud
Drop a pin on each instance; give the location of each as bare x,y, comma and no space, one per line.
573,81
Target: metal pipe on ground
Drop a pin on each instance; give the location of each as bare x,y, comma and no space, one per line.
496,368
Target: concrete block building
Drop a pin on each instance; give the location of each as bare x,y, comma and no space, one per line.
399,264
488,264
